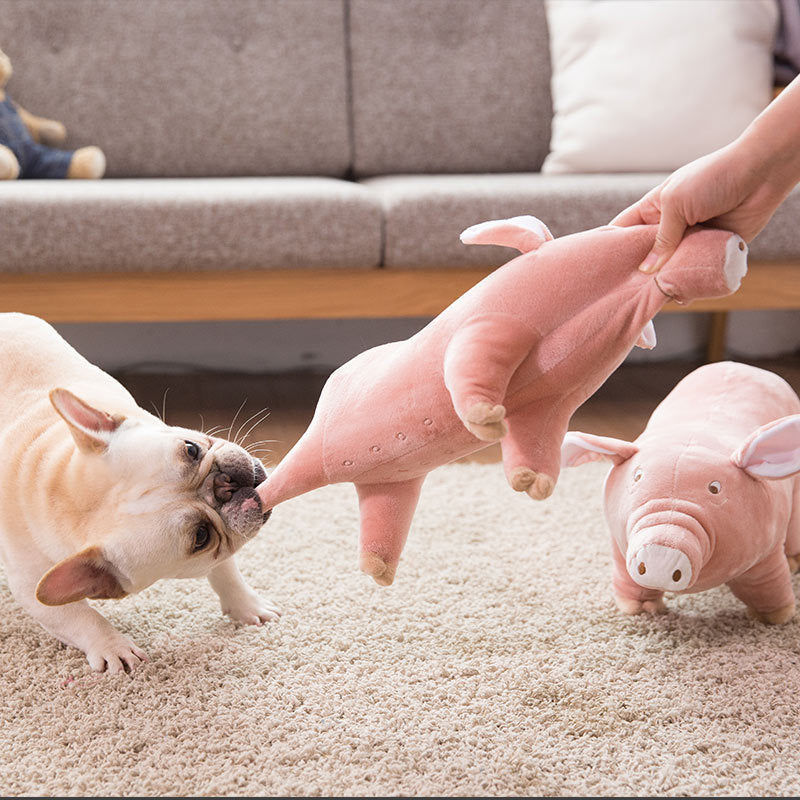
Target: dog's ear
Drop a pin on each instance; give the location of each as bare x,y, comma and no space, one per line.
86,574
90,428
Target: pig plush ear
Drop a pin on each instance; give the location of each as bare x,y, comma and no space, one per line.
86,574
523,233
580,448
90,428
772,451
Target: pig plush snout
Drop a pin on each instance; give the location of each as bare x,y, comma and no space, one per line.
655,566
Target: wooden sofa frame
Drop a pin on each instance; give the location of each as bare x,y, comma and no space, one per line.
319,294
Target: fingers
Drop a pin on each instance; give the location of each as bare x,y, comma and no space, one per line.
670,232
646,211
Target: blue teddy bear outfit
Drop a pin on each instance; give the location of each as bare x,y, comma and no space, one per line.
35,160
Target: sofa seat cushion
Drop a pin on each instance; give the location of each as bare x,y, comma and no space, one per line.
424,214
187,224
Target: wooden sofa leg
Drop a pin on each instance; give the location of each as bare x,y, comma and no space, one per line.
715,348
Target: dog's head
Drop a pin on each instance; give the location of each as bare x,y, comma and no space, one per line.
154,501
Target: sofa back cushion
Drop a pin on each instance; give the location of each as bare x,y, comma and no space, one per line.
188,87
449,86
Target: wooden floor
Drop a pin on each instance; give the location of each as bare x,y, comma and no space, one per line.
620,408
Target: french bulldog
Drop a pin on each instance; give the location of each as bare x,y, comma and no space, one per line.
99,498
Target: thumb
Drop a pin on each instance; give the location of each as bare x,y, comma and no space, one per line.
670,232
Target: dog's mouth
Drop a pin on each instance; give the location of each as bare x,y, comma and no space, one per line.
234,493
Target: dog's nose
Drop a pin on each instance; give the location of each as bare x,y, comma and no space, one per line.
224,487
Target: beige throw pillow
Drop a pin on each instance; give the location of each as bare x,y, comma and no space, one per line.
648,85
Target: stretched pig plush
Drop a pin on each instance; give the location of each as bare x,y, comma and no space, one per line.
510,360
708,494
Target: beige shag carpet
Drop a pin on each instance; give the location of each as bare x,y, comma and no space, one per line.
496,665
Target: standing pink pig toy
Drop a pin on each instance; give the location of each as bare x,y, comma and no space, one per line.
510,360
708,494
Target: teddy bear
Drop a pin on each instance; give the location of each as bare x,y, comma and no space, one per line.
26,143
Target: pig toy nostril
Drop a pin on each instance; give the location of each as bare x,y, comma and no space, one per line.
676,576
642,568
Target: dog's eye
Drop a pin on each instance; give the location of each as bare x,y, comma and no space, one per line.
201,538
193,450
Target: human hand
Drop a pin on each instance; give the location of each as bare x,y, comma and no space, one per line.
731,188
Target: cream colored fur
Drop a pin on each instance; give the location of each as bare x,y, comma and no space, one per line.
103,498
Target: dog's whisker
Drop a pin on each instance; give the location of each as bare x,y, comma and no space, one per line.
233,421
252,427
236,438
155,408
164,406
261,441
215,429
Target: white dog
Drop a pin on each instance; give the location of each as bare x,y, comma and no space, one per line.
99,499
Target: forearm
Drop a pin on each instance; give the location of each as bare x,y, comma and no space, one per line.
771,143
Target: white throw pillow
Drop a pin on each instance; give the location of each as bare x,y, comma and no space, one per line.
649,85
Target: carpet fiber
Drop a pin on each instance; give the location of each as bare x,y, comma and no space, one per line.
496,664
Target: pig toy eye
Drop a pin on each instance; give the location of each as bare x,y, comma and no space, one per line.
715,487
637,475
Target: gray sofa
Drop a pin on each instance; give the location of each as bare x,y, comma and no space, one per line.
273,145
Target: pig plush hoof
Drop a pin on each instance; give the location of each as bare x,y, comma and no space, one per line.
777,617
794,562
537,485
372,564
633,607
486,422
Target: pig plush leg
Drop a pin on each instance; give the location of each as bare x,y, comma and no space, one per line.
532,449
793,536
629,596
478,364
766,589
386,510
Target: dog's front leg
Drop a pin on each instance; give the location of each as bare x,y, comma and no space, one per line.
237,599
75,624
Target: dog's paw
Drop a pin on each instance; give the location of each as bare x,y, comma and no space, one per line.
250,609
486,422
115,654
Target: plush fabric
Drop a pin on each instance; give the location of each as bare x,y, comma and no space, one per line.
510,360
191,224
444,86
35,160
641,87
708,494
189,87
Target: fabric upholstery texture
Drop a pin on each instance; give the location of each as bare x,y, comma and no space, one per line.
496,665
188,87
449,85
424,214
187,224
622,72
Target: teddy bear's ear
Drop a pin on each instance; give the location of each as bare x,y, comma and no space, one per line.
771,451
580,448
523,233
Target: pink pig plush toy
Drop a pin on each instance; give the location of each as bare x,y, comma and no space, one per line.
510,360
708,494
